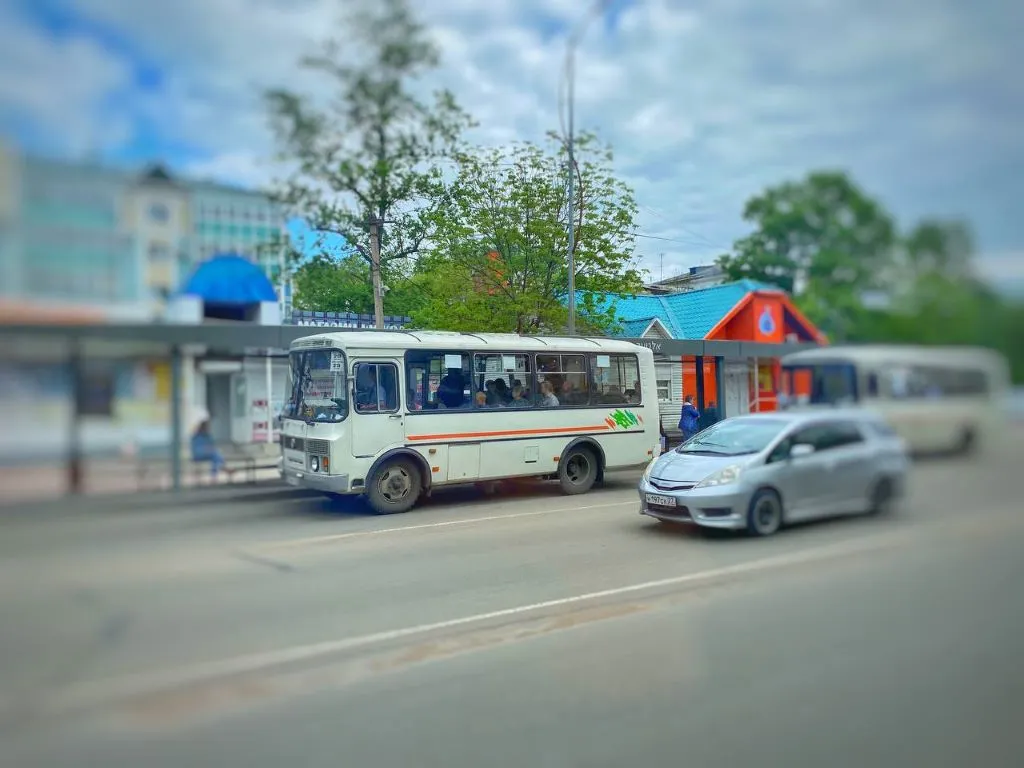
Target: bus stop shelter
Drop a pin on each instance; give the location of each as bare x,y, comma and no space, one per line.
77,349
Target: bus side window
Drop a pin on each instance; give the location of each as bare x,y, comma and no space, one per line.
376,387
448,377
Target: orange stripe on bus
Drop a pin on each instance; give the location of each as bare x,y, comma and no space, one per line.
512,432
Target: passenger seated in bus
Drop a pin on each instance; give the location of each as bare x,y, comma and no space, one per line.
547,395
491,394
569,395
450,391
501,393
481,399
519,399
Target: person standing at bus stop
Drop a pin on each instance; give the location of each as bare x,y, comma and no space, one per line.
689,419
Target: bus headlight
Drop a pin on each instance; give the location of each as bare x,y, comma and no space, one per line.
314,463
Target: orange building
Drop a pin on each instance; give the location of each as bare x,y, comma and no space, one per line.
743,311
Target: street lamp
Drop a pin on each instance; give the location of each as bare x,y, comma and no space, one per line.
570,74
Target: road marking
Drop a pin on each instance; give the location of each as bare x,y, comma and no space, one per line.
134,685
441,524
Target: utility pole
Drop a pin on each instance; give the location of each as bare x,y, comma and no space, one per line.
378,293
662,257
570,72
571,256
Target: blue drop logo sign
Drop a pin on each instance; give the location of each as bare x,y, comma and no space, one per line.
766,322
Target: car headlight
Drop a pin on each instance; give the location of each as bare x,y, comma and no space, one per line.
722,477
650,466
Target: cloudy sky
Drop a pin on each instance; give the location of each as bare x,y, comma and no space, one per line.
705,101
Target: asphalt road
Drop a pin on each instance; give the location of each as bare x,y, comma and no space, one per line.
530,629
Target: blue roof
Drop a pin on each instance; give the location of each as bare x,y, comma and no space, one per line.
687,315
229,279
634,329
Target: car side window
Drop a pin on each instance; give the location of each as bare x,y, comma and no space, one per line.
840,435
882,429
781,451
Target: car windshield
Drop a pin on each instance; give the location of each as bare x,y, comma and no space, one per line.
318,386
735,437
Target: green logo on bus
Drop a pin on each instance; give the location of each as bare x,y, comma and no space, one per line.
623,419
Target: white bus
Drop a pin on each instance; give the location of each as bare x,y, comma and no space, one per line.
936,398
392,415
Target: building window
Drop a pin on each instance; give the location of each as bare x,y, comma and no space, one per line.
159,252
664,390
160,213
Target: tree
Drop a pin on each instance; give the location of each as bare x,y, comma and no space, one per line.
325,284
368,155
332,284
822,239
499,239
941,247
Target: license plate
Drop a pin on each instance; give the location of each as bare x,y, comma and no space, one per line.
660,501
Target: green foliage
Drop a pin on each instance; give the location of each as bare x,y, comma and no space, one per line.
334,285
369,152
822,236
329,284
499,237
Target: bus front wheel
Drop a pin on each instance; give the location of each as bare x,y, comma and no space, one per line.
578,472
395,487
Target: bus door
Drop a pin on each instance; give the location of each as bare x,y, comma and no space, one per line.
378,422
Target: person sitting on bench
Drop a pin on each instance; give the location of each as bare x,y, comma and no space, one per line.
204,449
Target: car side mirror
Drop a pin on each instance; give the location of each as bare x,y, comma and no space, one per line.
800,451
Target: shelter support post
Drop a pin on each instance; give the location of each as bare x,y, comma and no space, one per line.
75,474
176,417
757,386
268,372
698,368
720,386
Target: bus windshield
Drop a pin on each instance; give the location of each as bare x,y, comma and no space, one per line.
319,389
820,384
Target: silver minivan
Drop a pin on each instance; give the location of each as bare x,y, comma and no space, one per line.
757,472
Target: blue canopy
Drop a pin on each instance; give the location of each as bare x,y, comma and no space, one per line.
229,279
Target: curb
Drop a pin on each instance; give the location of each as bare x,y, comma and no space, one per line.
147,501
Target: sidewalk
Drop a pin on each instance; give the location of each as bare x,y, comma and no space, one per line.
113,477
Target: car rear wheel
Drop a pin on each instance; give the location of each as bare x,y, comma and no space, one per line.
883,497
765,515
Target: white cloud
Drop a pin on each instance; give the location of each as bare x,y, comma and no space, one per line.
705,101
1002,267
59,87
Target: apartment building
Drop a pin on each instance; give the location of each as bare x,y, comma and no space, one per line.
93,242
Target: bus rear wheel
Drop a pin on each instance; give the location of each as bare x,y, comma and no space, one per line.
395,487
578,472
